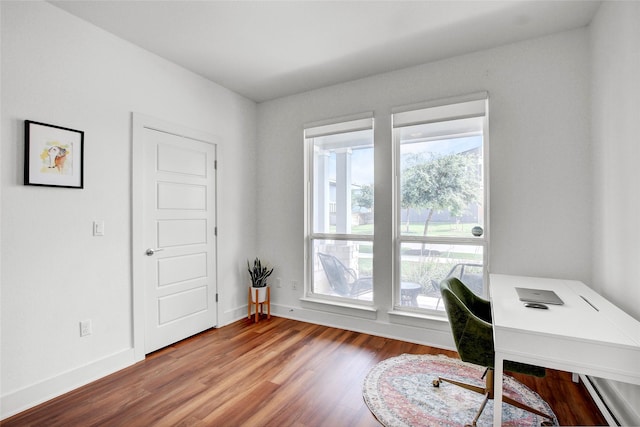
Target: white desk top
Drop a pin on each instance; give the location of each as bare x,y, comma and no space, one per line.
575,320
591,336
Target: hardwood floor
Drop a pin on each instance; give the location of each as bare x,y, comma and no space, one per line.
277,372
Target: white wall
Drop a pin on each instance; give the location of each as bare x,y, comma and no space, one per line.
539,159
615,88
61,70
544,218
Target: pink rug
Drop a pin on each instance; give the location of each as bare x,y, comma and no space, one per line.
399,393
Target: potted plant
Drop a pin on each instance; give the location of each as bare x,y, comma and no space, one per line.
258,274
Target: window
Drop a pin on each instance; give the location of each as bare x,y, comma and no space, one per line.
440,201
340,210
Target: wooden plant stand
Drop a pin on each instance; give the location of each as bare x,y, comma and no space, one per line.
259,306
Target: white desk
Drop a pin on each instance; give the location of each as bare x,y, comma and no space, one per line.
573,337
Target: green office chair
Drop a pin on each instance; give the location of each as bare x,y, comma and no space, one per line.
471,324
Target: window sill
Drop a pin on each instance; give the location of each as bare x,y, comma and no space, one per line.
340,307
409,318
416,315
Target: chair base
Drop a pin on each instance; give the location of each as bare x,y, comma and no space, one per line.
488,392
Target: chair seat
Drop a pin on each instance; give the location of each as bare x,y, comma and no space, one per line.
523,368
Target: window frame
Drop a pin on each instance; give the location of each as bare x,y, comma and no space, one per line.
353,123
435,112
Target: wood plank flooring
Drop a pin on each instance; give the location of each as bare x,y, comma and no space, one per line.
277,372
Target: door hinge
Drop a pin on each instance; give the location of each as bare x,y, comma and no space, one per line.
215,164
215,231
216,297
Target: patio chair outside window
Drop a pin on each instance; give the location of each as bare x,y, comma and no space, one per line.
470,274
343,280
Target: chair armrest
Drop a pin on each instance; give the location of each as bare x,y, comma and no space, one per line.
475,343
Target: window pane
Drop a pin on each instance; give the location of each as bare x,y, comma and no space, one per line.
441,179
343,183
424,266
343,269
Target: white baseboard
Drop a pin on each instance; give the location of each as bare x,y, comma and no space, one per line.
417,333
612,402
230,316
17,401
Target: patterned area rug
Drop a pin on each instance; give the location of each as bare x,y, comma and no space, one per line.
400,393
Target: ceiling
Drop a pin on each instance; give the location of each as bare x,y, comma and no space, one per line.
269,49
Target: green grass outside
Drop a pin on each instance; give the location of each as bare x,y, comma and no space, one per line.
413,270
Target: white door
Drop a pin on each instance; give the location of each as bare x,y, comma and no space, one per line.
179,236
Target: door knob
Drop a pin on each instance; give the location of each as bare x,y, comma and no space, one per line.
151,251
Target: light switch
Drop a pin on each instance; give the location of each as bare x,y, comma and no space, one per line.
98,228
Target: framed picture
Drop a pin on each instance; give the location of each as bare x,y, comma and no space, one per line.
54,156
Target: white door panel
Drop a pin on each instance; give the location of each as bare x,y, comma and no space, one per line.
177,232
179,305
182,196
181,160
179,222
178,269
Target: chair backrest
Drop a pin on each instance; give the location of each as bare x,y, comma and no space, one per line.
470,320
337,274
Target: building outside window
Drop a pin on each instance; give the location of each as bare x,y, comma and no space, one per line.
339,210
440,201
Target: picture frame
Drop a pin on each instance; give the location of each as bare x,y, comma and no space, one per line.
54,155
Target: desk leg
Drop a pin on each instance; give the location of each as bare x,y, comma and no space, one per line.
497,390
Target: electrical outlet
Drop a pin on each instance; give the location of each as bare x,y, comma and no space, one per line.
85,328
294,284
278,283
98,228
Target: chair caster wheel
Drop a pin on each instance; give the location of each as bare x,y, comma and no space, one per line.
436,383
